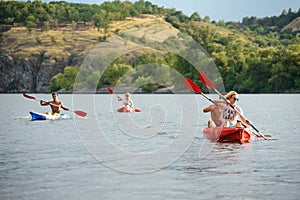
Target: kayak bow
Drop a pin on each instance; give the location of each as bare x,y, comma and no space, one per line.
40,116
228,134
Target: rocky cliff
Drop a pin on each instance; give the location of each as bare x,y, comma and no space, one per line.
31,74
28,61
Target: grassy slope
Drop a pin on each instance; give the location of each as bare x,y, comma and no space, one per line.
56,43
294,25
63,42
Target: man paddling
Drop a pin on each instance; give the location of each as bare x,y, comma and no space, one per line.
216,113
55,104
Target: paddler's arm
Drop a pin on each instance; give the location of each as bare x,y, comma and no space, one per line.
130,103
44,103
208,109
63,107
243,119
246,121
219,102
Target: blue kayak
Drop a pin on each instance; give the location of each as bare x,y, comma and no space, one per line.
40,116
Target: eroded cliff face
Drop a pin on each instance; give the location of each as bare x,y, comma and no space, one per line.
32,74
28,61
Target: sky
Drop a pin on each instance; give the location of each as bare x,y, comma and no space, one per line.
227,10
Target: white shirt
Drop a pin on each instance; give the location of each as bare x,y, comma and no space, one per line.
231,115
128,103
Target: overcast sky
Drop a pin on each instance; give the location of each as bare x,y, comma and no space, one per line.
228,10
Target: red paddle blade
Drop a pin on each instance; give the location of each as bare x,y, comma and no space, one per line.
110,90
28,96
205,80
80,113
191,85
137,110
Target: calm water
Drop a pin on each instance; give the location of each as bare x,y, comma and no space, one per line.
156,154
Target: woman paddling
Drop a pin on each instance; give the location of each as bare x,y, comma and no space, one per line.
127,103
233,111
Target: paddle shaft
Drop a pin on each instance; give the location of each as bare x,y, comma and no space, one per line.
209,99
113,92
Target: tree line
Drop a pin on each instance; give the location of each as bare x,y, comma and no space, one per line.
38,14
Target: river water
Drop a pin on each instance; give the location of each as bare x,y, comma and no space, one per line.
159,153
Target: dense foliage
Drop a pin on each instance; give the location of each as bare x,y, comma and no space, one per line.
36,13
253,56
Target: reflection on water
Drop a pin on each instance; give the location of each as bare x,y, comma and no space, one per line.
216,158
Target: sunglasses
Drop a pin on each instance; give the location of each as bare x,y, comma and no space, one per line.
236,99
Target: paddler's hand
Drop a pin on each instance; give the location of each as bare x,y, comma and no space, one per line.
44,103
248,122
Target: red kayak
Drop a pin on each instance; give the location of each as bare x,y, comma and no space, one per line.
123,109
228,134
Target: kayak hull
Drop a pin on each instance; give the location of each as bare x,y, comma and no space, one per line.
123,109
228,134
39,116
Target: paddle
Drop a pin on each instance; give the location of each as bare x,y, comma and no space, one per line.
77,112
205,80
112,92
194,88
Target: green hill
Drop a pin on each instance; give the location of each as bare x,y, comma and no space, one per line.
43,44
